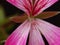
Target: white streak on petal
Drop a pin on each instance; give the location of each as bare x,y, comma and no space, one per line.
19,4
19,36
35,37
49,3
51,32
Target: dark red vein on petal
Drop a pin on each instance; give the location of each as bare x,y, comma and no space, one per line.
27,5
39,9
35,6
24,5
31,6
36,11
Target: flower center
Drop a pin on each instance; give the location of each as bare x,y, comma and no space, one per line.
32,20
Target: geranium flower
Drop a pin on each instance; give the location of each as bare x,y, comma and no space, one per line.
34,27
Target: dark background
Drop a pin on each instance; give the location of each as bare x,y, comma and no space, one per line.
11,10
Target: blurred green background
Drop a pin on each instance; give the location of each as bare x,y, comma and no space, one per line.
7,26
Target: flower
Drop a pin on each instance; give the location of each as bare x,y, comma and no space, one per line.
34,27
33,7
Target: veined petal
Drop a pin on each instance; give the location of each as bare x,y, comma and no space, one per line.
42,5
32,7
35,37
19,36
51,32
22,4
39,4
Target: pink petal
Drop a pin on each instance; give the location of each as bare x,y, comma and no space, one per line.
32,9
42,5
35,37
22,4
51,32
19,36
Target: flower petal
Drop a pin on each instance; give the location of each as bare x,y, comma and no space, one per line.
19,36
22,4
32,7
51,32
35,37
42,5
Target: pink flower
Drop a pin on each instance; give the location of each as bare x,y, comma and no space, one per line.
34,27
32,7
